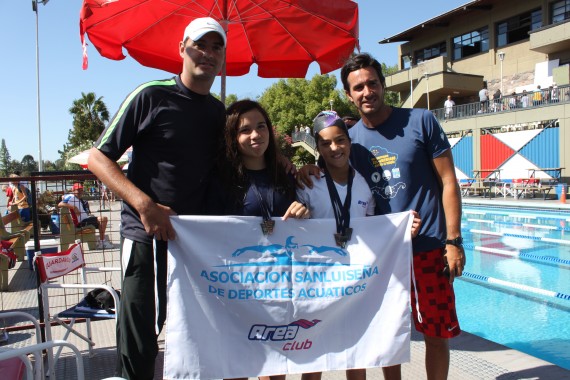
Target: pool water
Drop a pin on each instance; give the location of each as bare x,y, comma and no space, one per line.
528,252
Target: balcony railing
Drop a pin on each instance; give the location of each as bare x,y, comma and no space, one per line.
306,138
506,103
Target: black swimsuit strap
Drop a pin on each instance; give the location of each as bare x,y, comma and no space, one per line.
266,205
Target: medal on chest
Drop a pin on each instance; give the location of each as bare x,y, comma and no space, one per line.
266,206
341,210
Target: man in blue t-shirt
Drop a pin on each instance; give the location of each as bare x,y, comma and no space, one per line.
406,159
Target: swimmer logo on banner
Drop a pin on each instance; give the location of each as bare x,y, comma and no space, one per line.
243,304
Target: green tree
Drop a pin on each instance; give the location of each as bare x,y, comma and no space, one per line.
89,117
28,164
231,98
291,102
15,166
5,160
295,102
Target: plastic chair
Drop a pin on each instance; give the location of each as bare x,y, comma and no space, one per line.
13,365
36,350
66,265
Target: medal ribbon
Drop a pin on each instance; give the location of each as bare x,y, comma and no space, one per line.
341,211
266,206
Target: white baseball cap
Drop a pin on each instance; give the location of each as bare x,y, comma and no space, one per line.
200,26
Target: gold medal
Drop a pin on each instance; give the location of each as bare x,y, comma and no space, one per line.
267,226
342,239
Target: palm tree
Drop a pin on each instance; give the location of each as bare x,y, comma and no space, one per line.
89,117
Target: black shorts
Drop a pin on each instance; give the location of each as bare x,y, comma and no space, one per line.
89,221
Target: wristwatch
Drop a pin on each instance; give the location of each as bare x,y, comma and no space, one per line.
458,241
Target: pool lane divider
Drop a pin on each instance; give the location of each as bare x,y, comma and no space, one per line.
527,225
535,238
513,285
522,255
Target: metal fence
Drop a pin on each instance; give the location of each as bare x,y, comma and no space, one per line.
509,103
48,189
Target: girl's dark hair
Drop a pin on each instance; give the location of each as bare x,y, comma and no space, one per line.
234,172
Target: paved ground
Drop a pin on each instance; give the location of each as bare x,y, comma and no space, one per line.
471,357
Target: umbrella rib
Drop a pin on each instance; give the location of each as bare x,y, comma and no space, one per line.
285,29
273,13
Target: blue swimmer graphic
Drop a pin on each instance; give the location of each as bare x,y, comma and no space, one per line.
276,250
284,253
314,250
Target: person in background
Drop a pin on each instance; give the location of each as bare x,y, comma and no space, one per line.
537,96
405,157
9,196
349,121
554,95
525,101
172,125
21,198
448,105
339,183
81,215
484,98
497,101
513,101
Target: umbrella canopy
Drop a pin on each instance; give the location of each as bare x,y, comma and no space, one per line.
283,37
83,157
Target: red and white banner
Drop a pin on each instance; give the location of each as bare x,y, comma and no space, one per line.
53,265
241,304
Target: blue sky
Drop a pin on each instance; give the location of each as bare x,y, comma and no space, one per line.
62,79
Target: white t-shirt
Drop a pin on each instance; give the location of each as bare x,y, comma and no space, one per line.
319,202
74,201
448,105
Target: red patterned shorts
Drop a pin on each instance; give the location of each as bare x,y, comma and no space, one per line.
436,296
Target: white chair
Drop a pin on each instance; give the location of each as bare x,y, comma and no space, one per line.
36,349
12,364
59,271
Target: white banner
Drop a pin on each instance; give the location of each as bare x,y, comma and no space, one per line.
241,304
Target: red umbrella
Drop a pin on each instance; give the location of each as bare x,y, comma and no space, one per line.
282,37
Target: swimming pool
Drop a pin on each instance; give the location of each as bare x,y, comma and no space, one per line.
517,289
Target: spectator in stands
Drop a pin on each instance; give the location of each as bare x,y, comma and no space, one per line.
448,105
484,97
524,99
497,101
537,96
80,214
513,101
21,198
554,95
9,196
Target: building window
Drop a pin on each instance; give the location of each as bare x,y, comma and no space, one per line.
471,43
560,11
517,28
437,50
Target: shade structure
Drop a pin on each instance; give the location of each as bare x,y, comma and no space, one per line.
283,37
83,157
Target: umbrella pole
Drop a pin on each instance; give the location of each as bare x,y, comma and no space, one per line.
223,84
224,23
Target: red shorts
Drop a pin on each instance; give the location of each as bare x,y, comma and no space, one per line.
436,296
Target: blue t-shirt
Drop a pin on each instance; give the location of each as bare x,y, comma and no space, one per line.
395,158
277,201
